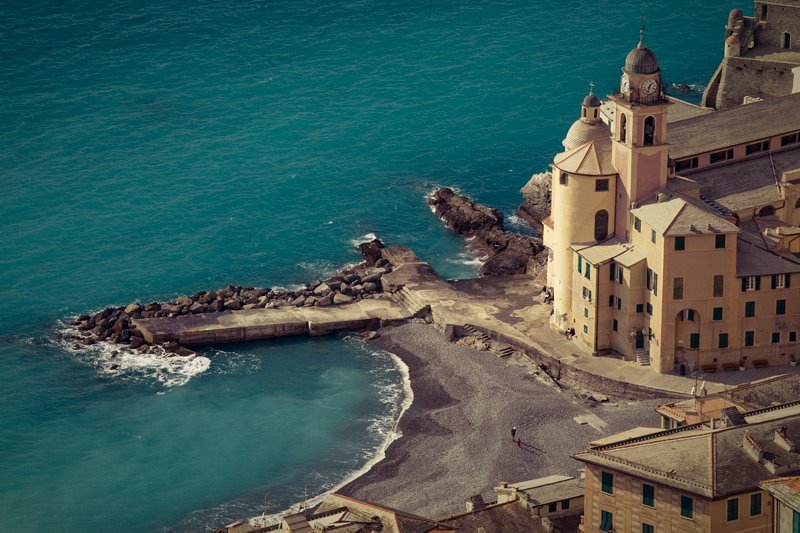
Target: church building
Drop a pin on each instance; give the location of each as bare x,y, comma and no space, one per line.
674,228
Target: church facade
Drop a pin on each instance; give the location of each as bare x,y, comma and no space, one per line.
673,227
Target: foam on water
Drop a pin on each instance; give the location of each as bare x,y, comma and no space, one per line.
120,362
367,237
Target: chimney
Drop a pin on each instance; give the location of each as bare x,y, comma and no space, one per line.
783,441
752,448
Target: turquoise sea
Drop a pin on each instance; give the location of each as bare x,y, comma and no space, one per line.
151,149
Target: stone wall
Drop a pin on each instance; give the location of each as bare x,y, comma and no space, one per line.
742,77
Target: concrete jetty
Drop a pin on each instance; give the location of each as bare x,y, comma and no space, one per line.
255,324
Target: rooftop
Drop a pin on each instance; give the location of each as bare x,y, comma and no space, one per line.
674,215
753,259
592,158
508,517
548,489
710,462
715,131
747,183
785,489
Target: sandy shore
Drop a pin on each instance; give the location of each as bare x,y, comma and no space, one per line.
457,433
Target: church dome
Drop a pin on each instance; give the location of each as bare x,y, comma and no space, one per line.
582,132
641,60
591,100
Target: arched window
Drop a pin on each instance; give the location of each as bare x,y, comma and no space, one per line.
797,204
649,130
584,112
623,128
787,40
766,211
601,225
595,113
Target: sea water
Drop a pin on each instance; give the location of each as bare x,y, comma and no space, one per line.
151,149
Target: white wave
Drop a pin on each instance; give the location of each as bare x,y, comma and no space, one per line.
119,361
367,237
388,427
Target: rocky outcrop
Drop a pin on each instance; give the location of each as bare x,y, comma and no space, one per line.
507,252
535,205
114,324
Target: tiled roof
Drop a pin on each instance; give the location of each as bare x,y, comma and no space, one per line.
733,126
675,215
710,462
785,489
767,392
393,521
753,259
589,159
622,253
509,517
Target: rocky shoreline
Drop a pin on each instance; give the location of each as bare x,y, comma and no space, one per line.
114,324
507,253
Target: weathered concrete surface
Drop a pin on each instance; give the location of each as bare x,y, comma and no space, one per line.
253,324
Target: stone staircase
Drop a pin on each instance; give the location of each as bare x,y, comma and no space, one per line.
642,358
410,301
501,349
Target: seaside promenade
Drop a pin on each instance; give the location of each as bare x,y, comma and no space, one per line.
505,311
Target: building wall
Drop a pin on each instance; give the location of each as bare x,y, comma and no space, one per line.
742,76
626,504
780,18
783,517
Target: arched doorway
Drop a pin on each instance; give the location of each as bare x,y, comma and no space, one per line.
601,225
687,336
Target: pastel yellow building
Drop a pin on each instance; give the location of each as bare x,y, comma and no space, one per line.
673,228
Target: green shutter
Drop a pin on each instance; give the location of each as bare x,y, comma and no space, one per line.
786,283
758,283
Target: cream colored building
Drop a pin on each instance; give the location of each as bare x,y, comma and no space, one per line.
673,228
698,478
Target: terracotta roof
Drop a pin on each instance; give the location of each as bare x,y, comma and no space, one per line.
733,126
785,489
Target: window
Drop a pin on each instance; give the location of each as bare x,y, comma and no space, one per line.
719,285
723,340
677,289
563,178
776,337
647,528
612,274
611,301
719,241
564,504
687,507
722,155
685,164
755,504
792,336
680,243
608,482
580,264
601,185
619,276
764,11
717,314
733,509
637,224
648,495
586,312
749,309
749,338
615,325
689,315
754,148
694,341
766,211
586,269
780,307
751,283
552,507
781,281
649,131
619,302
600,225
790,139
652,235
587,294
623,128
649,308
640,308
585,328
787,40
606,521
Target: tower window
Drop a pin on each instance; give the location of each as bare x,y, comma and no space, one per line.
763,11
563,178
649,131
623,128
601,185
601,225
787,40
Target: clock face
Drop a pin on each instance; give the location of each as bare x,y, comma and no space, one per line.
625,83
649,86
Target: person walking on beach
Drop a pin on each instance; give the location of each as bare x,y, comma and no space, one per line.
519,442
513,432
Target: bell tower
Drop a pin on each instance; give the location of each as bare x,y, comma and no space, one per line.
639,138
